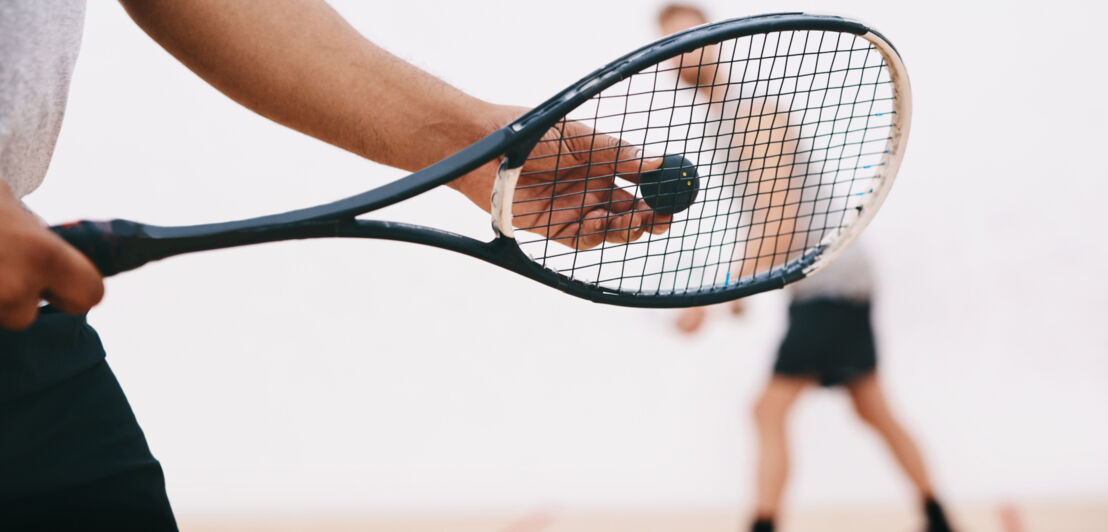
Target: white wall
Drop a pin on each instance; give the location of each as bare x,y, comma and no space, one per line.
367,375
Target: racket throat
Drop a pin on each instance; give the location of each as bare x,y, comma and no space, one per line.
503,192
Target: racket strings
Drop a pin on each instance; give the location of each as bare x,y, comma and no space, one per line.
788,132
631,187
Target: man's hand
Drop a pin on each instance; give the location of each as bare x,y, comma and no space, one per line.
691,320
566,190
36,264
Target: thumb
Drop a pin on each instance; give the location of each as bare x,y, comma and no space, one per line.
607,155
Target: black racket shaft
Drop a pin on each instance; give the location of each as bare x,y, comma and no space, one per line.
117,246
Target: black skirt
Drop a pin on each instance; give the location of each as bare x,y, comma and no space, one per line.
829,340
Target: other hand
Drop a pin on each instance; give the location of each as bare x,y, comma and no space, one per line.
36,264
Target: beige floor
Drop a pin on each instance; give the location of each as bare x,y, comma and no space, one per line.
1040,517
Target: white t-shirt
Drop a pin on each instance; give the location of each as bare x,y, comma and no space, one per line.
39,41
849,277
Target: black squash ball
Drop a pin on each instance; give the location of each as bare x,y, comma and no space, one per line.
671,188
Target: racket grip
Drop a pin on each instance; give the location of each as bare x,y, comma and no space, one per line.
112,246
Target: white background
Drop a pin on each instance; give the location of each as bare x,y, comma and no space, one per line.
362,376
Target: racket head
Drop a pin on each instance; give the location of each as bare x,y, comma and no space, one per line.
778,170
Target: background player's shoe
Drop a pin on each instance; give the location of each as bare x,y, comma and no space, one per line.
936,518
762,525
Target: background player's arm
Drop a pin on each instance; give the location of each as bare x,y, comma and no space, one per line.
766,146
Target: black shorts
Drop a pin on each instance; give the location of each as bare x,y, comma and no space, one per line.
72,456
829,340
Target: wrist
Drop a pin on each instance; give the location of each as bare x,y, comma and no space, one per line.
483,119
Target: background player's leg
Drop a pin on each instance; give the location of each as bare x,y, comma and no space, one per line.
770,412
869,401
871,406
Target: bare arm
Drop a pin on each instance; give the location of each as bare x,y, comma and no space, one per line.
298,63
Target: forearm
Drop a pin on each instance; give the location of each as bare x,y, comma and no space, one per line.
300,64
772,172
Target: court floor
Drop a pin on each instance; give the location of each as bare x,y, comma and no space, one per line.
1031,517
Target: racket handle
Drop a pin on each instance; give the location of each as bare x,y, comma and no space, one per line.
113,246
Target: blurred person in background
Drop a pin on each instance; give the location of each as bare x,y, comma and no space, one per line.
829,341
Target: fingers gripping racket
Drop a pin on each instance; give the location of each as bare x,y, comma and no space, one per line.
772,160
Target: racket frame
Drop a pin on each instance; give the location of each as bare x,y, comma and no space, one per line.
121,245
545,116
